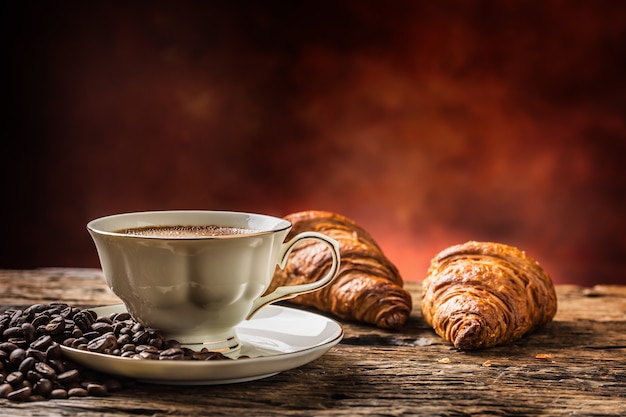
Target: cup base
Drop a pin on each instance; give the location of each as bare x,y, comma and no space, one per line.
230,345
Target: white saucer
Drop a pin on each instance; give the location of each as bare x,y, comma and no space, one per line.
275,339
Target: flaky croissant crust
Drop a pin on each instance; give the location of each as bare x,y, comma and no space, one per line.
368,287
483,294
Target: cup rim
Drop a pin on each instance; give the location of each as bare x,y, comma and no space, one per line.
95,225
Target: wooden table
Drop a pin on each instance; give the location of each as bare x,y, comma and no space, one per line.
581,368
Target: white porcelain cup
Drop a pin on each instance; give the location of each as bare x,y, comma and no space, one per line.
198,289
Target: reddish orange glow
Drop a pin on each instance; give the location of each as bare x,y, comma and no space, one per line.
428,123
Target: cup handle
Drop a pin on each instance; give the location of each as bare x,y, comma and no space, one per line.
290,291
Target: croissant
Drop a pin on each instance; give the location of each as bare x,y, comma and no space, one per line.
482,294
368,287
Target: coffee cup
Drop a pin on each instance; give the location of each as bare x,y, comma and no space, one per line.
195,275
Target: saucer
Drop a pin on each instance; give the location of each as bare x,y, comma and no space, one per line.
274,340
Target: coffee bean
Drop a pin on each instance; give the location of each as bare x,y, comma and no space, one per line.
157,342
13,332
68,376
27,364
45,370
43,387
208,356
122,317
126,331
29,331
53,311
141,337
69,341
66,312
17,356
20,342
21,394
55,326
58,394
58,365
33,376
77,392
123,340
37,354
146,348
15,318
82,321
146,354
103,343
5,390
93,316
8,347
53,352
102,327
173,343
103,319
4,322
91,335
74,311
40,319
172,354
97,390
14,378
79,341
128,347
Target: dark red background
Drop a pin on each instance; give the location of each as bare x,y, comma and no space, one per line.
429,123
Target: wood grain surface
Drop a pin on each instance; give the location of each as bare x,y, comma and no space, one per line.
576,365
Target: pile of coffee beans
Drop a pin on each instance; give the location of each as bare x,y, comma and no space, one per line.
31,360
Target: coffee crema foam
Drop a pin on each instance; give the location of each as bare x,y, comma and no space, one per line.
180,231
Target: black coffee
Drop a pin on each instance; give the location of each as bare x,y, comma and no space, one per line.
180,231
